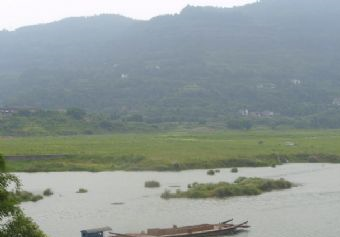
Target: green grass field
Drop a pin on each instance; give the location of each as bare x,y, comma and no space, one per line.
174,150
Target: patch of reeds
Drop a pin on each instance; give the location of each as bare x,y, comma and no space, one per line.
82,190
152,184
48,192
210,172
241,187
24,196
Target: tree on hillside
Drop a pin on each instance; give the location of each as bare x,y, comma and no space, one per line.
76,113
13,223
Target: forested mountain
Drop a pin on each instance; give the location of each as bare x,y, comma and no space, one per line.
270,57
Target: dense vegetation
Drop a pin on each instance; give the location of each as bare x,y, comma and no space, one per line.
69,122
204,64
12,220
179,150
48,192
241,187
82,190
73,121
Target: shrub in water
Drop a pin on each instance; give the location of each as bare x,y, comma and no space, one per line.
210,172
36,198
166,194
24,196
234,170
152,184
48,192
82,190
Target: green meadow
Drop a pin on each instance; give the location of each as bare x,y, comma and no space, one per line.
176,150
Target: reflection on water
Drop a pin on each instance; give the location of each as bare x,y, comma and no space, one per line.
311,209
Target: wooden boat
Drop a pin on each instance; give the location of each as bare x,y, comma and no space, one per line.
223,228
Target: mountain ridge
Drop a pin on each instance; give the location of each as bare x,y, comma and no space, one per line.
205,62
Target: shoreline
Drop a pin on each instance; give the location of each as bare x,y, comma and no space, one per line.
34,166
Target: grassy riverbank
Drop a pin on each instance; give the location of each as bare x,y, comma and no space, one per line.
174,151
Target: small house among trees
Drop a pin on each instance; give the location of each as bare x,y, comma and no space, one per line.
336,101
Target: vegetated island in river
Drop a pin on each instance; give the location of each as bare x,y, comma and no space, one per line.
20,196
241,187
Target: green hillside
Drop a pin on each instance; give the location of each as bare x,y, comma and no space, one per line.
274,57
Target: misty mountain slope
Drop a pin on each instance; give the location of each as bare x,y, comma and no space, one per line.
275,55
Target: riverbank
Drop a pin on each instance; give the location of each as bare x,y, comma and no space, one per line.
179,150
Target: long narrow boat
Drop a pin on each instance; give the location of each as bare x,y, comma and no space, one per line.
202,230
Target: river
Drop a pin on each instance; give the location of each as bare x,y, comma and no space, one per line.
312,209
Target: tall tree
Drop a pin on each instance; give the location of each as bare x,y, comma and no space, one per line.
13,222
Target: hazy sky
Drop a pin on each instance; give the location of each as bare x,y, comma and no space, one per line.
16,13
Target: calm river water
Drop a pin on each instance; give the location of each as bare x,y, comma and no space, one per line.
310,210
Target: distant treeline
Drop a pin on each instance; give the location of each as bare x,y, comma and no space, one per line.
76,121
72,121
326,120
